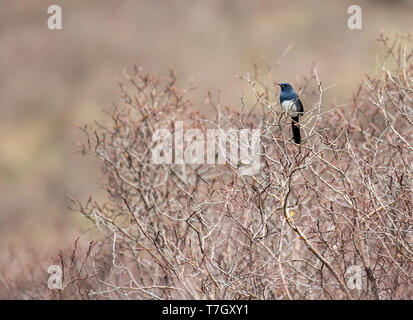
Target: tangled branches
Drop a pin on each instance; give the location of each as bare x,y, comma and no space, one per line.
328,219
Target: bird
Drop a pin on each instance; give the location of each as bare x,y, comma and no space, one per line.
291,103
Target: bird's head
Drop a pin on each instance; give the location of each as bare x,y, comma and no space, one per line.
285,86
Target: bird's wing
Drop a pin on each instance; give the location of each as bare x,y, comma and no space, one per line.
299,105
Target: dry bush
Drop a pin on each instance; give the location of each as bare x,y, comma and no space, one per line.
312,222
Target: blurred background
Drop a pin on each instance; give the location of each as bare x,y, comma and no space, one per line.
51,80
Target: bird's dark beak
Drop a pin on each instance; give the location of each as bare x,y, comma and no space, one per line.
279,84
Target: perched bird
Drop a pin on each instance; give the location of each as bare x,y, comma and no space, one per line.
292,105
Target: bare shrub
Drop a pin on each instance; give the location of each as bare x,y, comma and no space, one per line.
328,219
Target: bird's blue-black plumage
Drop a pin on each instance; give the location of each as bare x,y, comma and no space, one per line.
291,103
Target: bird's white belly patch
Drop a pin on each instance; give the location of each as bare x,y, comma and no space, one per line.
289,105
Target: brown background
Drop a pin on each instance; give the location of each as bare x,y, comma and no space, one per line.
51,80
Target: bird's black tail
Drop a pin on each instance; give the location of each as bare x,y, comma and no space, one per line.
296,129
